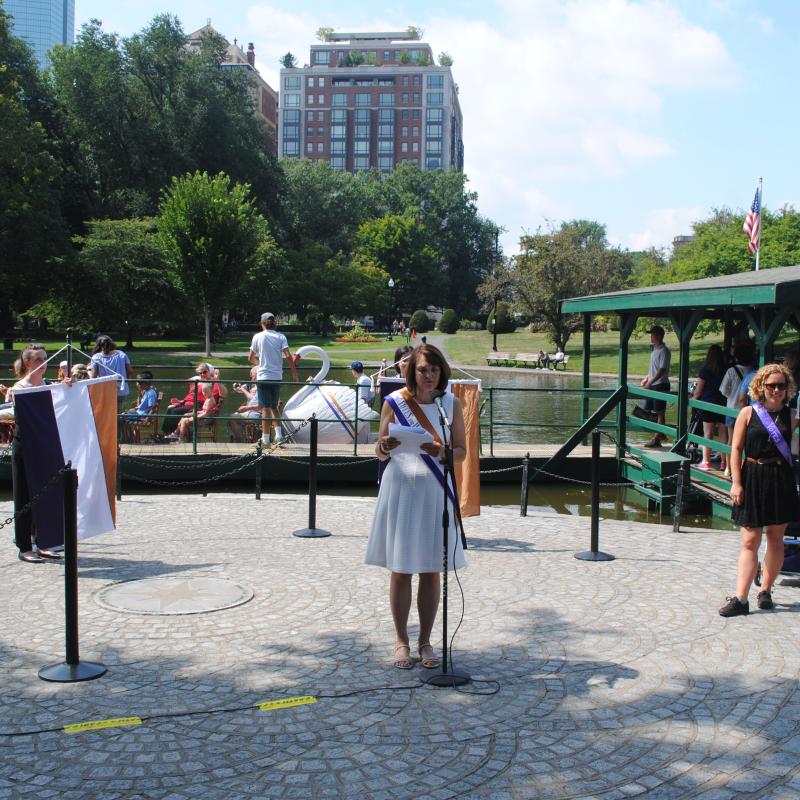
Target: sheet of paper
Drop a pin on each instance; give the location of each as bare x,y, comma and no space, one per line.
410,439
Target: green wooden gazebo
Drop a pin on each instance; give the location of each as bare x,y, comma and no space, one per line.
763,301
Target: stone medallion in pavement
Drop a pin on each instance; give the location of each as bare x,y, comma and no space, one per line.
174,595
591,680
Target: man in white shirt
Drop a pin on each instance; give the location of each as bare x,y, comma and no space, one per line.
366,388
658,380
267,351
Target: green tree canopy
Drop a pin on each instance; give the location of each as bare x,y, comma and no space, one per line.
213,237
572,260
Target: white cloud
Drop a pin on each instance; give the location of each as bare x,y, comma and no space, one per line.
661,225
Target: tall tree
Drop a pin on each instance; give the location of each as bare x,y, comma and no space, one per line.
33,234
213,236
570,261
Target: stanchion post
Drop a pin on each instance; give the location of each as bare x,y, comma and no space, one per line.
523,489
118,476
682,477
73,669
312,532
259,451
594,554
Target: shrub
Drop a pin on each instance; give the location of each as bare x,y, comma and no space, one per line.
505,319
357,334
469,325
420,321
449,321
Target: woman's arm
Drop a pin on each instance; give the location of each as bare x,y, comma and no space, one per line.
385,443
698,388
737,445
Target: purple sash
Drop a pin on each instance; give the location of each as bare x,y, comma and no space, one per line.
773,431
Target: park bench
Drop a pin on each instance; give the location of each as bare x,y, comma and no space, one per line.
563,363
497,358
527,359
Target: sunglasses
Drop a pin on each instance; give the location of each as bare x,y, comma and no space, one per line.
776,387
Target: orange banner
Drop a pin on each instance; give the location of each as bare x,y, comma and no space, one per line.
468,473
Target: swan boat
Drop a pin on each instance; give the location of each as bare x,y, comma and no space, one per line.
333,403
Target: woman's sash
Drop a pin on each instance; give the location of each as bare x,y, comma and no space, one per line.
408,413
774,432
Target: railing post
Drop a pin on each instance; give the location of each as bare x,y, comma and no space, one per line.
259,450
312,532
72,669
194,419
355,422
491,421
523,489
118,480
594,554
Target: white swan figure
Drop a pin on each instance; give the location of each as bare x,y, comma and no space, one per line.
333,403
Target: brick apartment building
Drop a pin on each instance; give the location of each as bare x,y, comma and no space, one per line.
371,100
265,98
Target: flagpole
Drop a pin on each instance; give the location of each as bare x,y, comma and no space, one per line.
760,220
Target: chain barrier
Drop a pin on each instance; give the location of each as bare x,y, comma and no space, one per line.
500,469
29,505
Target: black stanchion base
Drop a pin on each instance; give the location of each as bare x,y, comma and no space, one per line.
311,533
594,555
454,677
72,673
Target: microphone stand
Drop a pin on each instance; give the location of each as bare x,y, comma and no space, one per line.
446,675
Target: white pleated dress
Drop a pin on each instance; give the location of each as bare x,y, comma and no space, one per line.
406,533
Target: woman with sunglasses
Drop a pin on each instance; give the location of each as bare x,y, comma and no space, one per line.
763,490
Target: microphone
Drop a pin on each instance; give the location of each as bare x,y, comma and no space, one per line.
437,398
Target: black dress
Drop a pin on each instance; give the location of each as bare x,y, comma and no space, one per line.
770,491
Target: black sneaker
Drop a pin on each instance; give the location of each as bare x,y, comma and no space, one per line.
764,601
734,607
653,444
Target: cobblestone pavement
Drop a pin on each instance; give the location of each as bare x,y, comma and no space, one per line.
606,680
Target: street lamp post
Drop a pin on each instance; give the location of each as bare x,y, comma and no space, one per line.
494,328
391,306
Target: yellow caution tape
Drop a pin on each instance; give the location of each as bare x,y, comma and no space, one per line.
287,702
97,724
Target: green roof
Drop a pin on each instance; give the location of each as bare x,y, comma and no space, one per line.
772,287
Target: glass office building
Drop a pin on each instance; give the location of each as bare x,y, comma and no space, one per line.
42,23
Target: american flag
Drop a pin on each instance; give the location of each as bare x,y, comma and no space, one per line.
752,223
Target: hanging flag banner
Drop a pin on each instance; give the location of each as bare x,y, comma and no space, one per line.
752,224
60,423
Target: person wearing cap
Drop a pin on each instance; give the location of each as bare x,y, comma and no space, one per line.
267,351
658,380
366,388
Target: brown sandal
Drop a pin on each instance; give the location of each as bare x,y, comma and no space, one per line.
427,656
401,662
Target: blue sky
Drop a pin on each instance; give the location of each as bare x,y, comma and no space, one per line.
641,114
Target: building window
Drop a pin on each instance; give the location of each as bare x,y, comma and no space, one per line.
310,116
405,115
361,147
396,55
360,163
416,98
362,115
417,81
361,132
322,57
309,147
385,131
403,147
321,83
433,131
362,99
387,55
433,146
321,99
385,163
338,131
337,146
309,131
386,146
292,116
435,98
404,101
292,82
433,163
415,114
320,147
386,115
415,132
434,114
435,81
386,99
310,82
405,80
337,163
339,99
291,131
310,100
404,131
415,147
320,131
290,100
291,148
320,116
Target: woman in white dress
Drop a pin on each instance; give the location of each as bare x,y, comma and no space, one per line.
406,535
